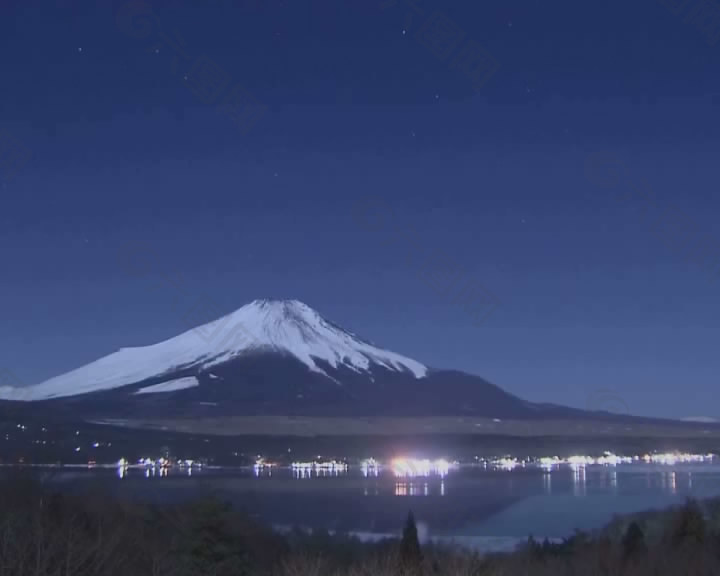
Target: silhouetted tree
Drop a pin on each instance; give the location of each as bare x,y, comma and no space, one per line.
211,547
410,553
633,543
688,525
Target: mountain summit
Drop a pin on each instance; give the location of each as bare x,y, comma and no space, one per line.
285,327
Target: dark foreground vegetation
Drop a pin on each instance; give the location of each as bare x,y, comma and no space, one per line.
46,532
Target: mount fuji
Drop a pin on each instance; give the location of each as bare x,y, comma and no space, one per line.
270,357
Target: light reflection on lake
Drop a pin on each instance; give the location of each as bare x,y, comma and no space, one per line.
469,502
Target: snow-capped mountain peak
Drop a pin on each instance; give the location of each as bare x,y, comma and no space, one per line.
288,327
293,327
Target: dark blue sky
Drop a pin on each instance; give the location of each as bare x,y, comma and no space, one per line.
596,308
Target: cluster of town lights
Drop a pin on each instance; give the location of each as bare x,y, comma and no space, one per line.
410,467
370,467
676,458
262,465
610,459
307,469
607,459
161,465
404,467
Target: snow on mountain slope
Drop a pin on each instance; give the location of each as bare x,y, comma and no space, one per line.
285,326
170,386
701,420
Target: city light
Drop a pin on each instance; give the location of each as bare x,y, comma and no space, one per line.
370,467
549,463
404,466
672,458
409,467
261,465
506,463
306,469
580,461
611,459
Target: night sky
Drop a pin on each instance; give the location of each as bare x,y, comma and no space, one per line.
238,145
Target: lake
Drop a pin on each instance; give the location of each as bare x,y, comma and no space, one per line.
483,508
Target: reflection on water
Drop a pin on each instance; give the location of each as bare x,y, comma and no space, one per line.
669,482
368,491
416,489
579,481
605,479
468,501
